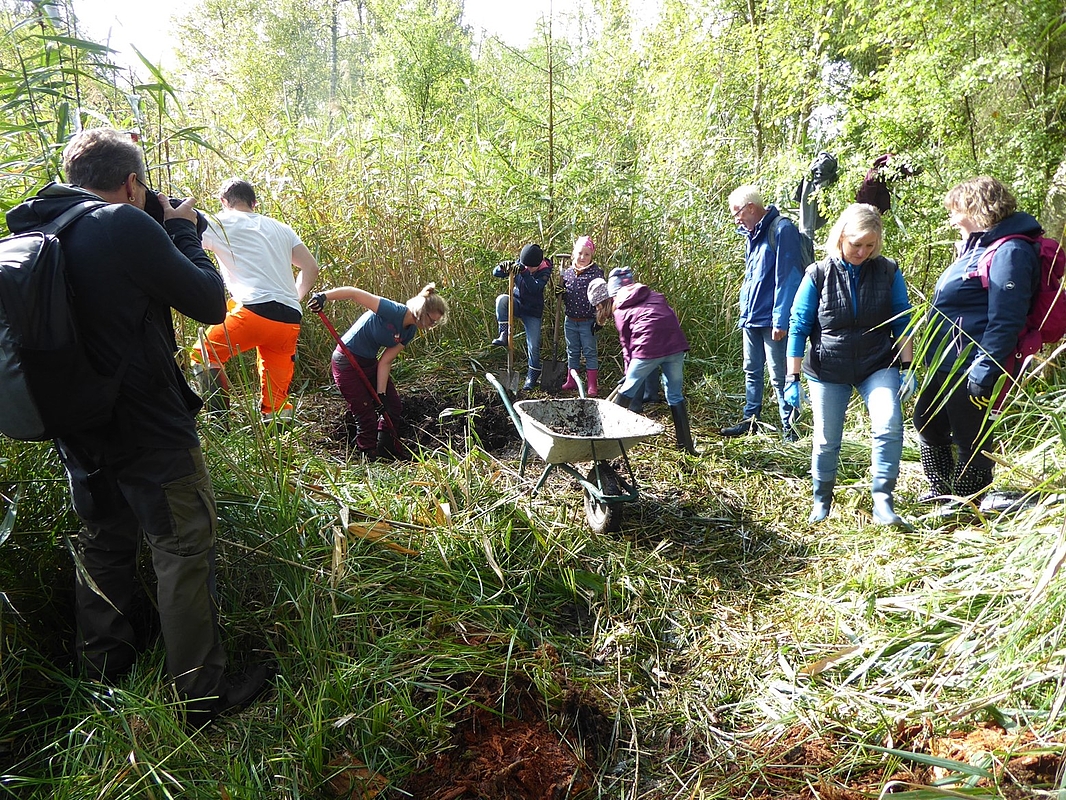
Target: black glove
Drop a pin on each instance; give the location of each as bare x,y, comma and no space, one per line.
596,328
517,267
560,291
979,396
379,404
317,302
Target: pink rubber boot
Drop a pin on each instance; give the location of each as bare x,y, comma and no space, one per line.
593,376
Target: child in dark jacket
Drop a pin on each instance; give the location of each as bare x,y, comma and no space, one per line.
531,273
580,315
651,336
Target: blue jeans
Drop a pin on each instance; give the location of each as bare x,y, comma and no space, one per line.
829,403
673,368
759,349
532,326
647,392
580,341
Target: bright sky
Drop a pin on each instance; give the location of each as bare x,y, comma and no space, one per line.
146,23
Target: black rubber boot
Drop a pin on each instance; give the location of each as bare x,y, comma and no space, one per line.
501,340
938,463
745,427
682,428
972,480
532,379
823,499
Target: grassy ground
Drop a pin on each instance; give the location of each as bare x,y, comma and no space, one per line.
442,634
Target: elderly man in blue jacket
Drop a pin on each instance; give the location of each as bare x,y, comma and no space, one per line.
773,267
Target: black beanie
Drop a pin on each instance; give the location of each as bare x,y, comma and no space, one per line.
531,256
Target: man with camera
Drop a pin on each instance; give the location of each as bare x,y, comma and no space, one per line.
143,470
257,255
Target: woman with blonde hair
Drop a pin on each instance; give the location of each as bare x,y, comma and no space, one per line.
853,307
386,327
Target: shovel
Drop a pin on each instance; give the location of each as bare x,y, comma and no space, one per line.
553,371
392,447
512,377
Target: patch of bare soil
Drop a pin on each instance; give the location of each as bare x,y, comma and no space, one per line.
433,416
510,755
799,765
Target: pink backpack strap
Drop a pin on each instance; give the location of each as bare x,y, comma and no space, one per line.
984,264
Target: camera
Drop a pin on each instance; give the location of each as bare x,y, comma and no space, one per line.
154,209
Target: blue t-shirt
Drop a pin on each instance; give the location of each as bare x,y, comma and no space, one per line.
374,331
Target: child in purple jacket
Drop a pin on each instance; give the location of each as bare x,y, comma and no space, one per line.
651,337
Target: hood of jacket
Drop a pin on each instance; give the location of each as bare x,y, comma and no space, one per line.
636,296
1018,223
46,205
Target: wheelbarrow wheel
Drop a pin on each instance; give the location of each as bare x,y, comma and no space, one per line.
603,517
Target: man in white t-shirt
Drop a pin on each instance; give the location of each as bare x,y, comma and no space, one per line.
257,255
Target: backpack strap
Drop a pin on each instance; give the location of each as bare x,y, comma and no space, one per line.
74,212
984,263
771,235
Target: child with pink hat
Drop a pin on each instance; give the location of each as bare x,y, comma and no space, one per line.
581,339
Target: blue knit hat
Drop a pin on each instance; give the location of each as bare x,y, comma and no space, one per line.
619,277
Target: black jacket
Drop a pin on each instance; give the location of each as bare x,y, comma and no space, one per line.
127,272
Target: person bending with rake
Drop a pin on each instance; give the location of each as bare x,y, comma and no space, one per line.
362,375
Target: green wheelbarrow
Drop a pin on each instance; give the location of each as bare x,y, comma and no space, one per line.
579,430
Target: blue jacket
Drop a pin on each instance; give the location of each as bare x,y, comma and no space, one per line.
528,288
975,329
770,278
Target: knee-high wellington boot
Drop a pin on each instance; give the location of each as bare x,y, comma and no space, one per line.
823,499
938,464
682,428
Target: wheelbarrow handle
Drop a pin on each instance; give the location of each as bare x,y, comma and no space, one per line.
580,383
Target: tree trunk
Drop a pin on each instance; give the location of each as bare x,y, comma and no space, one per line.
1054,216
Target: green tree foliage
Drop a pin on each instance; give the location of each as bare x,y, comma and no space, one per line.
423,60
46,75
399,144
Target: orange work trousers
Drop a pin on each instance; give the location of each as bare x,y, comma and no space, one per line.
275,345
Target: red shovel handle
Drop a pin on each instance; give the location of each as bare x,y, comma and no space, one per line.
355,365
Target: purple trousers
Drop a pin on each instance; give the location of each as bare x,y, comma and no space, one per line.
361,402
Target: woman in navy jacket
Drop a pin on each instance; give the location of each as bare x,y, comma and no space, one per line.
973,331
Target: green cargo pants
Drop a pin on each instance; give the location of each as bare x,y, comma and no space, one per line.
167,495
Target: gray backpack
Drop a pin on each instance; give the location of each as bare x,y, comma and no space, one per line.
806,242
